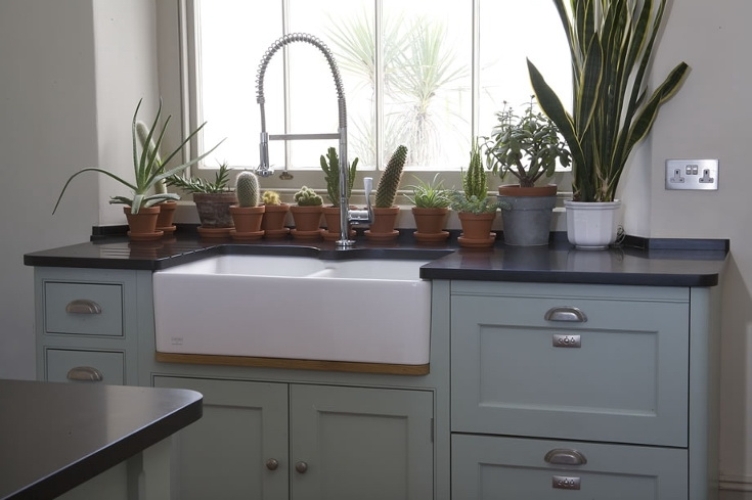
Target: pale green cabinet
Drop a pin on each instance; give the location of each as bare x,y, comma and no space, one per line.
274,441
583,391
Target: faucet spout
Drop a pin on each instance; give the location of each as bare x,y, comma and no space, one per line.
264,170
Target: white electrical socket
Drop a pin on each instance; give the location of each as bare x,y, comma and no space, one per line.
692,174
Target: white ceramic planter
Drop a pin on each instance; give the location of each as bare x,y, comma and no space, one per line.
592,225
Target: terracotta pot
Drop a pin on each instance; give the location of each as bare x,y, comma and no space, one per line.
331,217
273,221
247,219
384,221
476,230
214,209
430,220
166,215
144,223
306,218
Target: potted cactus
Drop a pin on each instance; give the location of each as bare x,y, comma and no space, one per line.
330,166
307,214
431,202
247,214
475,209
384,212
275,214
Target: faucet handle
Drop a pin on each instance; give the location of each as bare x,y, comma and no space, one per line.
363,216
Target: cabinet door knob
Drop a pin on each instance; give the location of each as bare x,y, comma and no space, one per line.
272,464
567,313
84,374
566,456
301,467
83,306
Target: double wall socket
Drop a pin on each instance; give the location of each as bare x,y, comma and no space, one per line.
692,174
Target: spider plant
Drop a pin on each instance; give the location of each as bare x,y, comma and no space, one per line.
611,43
148,168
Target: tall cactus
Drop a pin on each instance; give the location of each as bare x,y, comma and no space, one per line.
247,189
330,166
475,182
386,192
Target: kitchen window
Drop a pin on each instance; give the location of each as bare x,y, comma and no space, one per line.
429,75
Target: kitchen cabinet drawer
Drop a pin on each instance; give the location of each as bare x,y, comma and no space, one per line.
68,365
618,373
83,308
512,468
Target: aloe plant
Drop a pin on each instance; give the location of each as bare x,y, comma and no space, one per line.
148,168
611,43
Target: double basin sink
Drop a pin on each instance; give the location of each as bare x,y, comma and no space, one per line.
363,310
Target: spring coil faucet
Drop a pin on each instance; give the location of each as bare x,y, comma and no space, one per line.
346,216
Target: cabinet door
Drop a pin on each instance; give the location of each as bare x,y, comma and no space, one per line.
596,365
228,453
360,443
495,468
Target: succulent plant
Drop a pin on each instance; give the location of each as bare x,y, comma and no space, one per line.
271,198
475,197
431,194
247,189
386,192
197,185
330,166
307,197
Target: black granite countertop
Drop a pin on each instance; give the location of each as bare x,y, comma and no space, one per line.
55,436
636,261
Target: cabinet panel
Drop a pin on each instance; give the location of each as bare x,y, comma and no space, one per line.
361,443
69,365
619,376
496,468
83,308
225,453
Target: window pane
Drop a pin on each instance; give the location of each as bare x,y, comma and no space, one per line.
347,29
427,77
232,37
507,37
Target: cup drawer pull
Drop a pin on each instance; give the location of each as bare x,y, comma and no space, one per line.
570,314
564,340
565,456
83,306
85,374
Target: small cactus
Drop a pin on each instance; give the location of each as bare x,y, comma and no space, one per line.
330,166
247,189
386,192
271,198
307,197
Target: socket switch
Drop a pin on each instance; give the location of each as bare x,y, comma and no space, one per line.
692,174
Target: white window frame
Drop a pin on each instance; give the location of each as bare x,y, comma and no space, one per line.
177,70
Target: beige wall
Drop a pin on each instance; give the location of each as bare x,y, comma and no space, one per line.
63,96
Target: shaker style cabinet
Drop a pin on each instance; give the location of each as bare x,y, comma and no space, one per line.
87,324
581,391
271,440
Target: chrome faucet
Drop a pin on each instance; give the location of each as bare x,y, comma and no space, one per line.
347,216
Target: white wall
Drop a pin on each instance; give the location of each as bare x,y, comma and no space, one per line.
63,101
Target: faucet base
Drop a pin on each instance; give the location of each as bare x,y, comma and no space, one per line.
345,243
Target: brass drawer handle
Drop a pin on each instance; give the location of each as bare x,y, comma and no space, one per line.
568,313
565,456
85,374
83,306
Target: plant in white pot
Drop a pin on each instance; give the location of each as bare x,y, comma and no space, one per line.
611,43
528,147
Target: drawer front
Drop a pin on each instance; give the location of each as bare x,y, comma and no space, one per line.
83,308
67,365
512,468
618,374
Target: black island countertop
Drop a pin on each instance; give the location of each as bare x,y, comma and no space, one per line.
636,261
55,436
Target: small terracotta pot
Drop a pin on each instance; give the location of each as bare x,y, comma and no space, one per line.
429,220
476,230
166,215
274,217
247,219
306,218
144,222
384,221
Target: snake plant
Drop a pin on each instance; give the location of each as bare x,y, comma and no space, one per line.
611,43
148,168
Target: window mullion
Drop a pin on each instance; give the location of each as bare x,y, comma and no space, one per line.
379,91
475,73
286,81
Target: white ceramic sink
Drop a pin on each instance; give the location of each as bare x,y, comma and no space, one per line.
373,311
